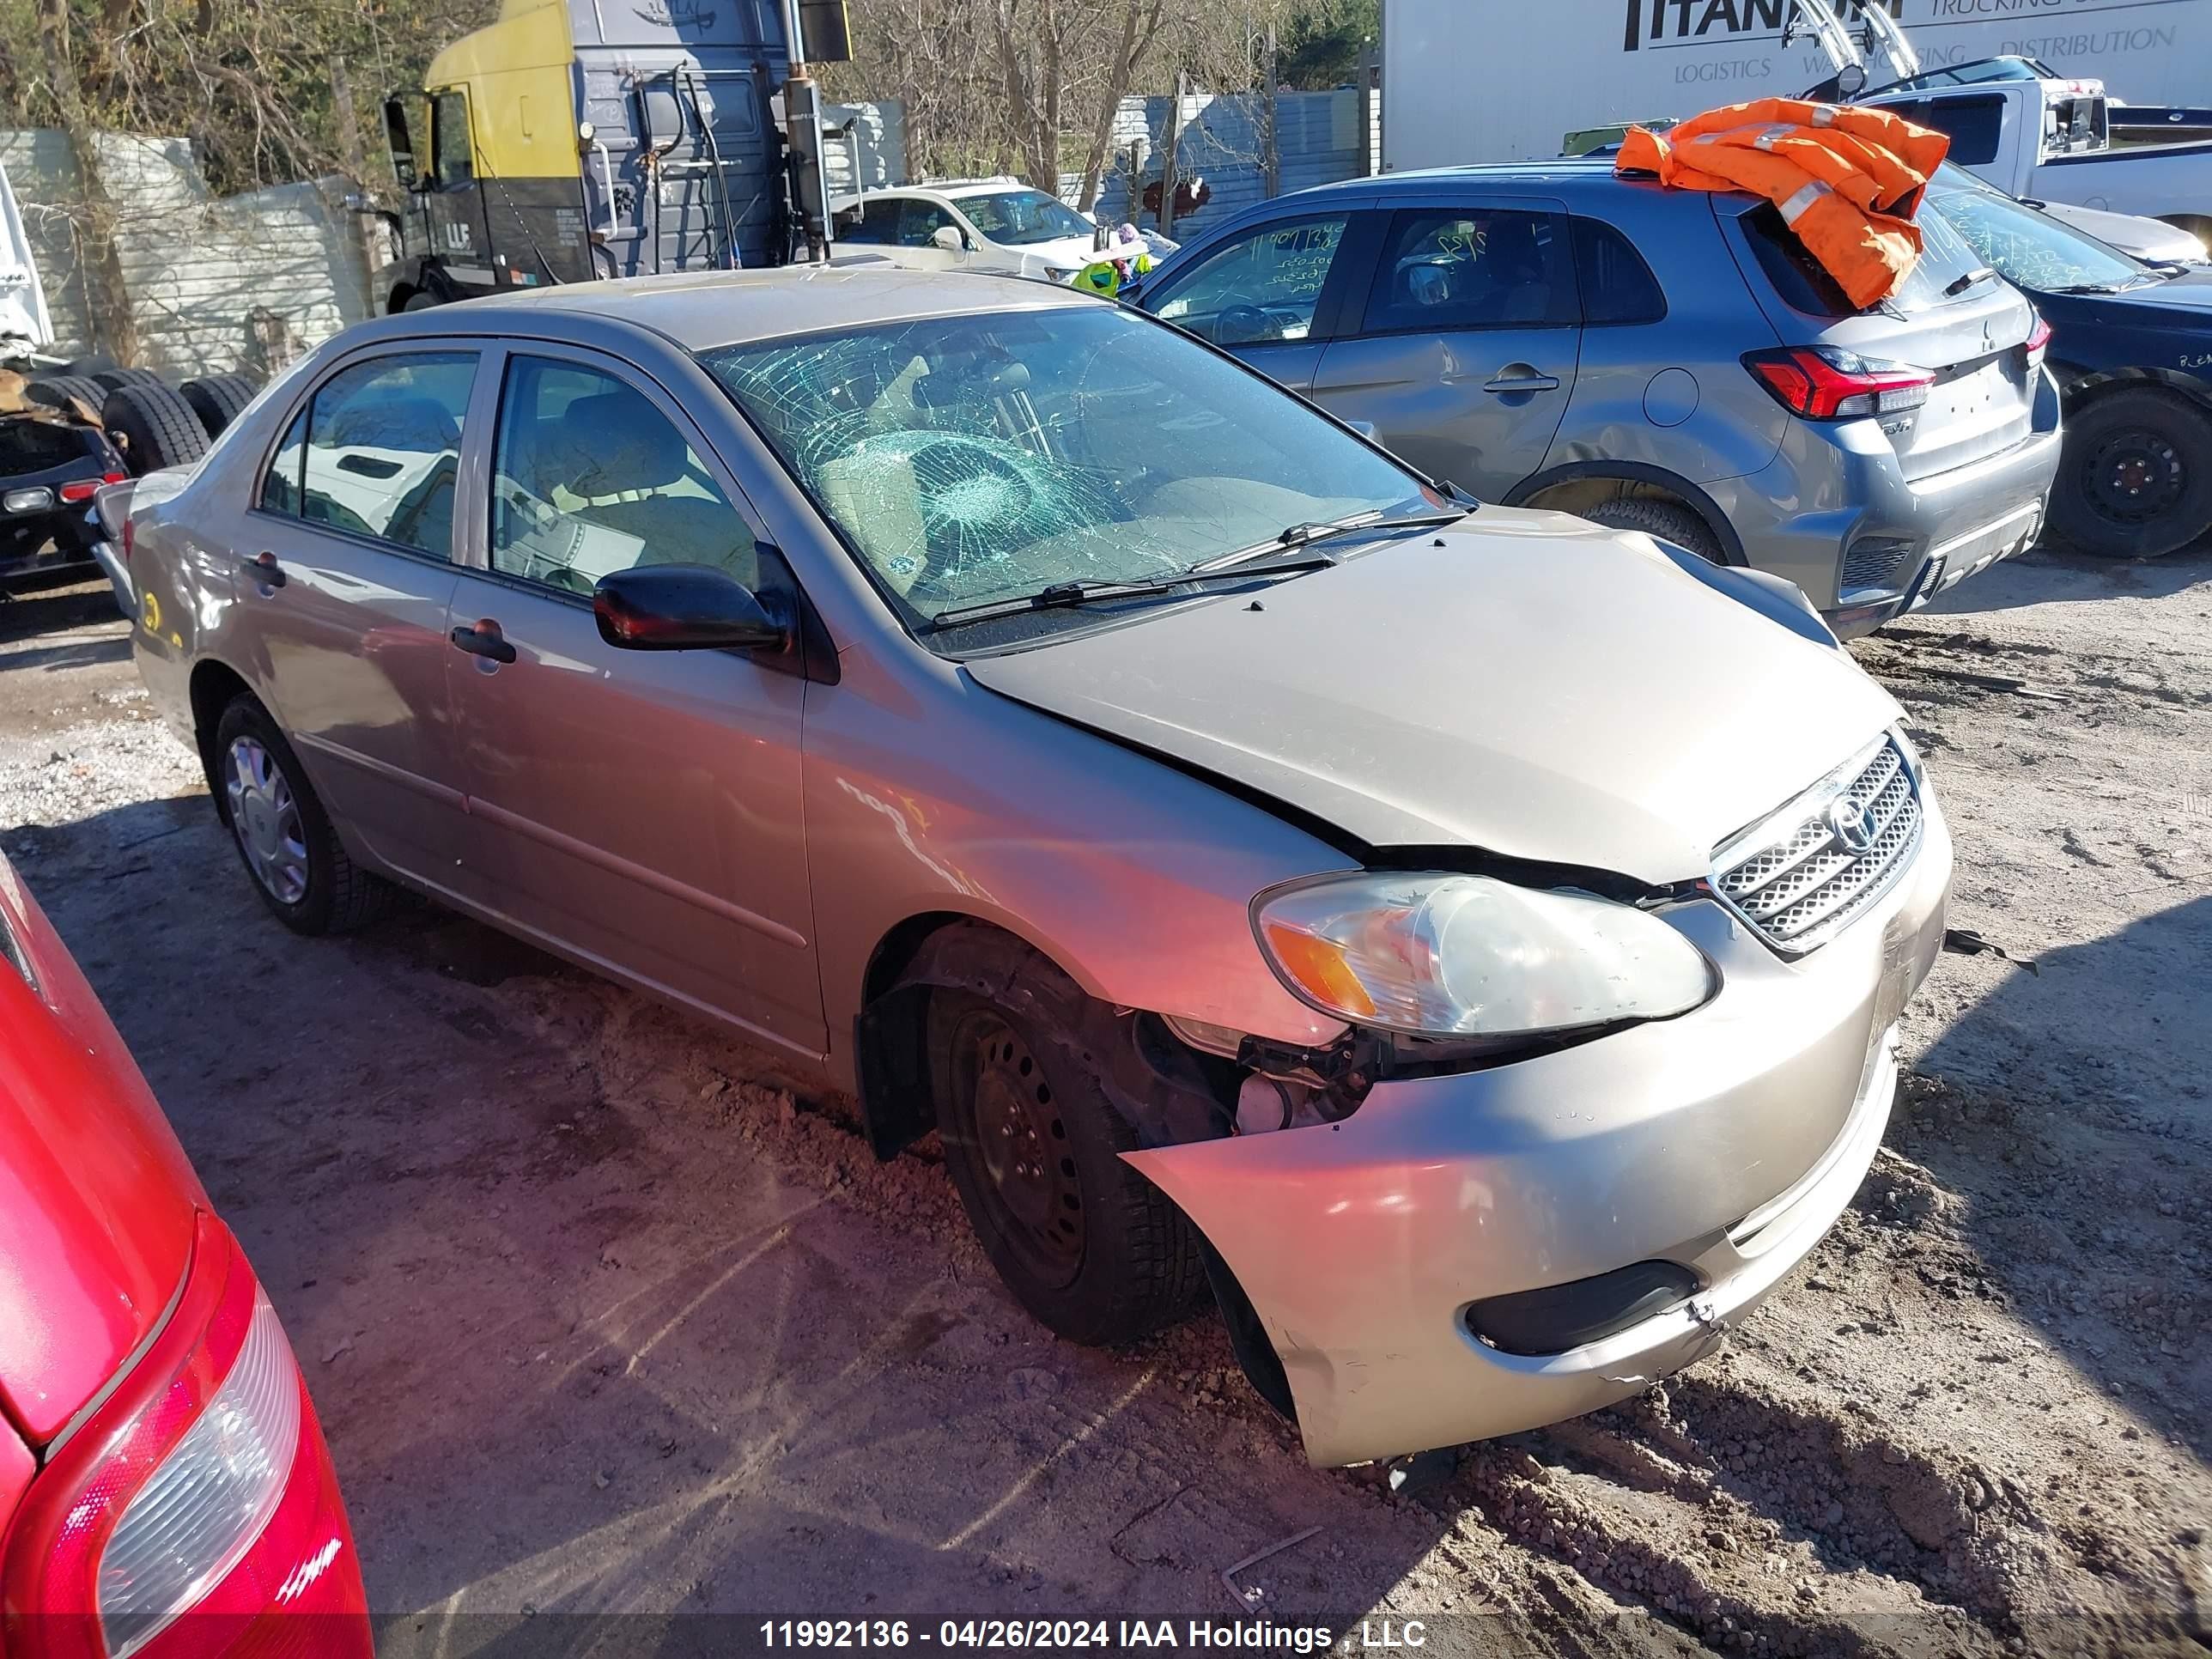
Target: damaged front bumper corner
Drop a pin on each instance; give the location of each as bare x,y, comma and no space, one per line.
1712,1150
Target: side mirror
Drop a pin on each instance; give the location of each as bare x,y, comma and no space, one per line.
686,607
949,238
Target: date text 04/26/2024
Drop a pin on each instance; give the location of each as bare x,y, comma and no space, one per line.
1102,1635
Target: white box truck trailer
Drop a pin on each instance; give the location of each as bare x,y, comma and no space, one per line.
1491,81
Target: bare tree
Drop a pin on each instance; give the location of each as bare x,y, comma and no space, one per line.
109,299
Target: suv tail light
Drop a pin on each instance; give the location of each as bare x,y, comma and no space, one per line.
1827,383
200,1487
84,489
2038,342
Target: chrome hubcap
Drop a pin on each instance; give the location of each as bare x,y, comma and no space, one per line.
264,815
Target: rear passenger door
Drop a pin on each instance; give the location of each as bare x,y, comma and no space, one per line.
639,809
1269,293
1461,348
345,568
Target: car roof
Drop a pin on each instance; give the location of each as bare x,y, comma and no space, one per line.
700,310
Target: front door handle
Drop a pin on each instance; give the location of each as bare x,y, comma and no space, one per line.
263,569
483,639
1520,377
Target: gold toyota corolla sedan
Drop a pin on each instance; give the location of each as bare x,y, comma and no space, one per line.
1466,942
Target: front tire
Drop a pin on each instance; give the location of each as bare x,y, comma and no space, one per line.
282,835
1096,1252
2135,479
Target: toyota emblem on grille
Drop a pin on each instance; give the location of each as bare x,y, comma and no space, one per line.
1852,824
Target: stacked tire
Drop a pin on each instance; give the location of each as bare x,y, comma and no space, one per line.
152,424
219,399
153,427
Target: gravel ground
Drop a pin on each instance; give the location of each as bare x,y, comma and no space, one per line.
603,1320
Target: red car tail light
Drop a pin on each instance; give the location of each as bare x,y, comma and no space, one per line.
126,541
1827,383
84,489
2038,342
195,1503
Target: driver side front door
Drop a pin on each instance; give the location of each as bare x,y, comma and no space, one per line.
637,810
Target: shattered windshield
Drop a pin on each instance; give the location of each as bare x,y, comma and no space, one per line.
1018,217
973,459
2032,248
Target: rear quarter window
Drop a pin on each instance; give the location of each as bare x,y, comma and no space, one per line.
1805,286
1617,286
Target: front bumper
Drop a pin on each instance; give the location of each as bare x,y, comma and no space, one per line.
1726,1141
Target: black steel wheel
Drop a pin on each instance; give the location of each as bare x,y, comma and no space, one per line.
1034,1144
2136,478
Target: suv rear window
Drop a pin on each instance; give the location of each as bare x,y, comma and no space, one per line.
1618,287
33,445
1804,286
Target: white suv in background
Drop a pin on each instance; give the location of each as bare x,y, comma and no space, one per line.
997,225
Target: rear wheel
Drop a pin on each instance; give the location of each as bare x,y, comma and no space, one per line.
1090,1247
422,300
283,836
2135,480
1664,520
218,400
153,427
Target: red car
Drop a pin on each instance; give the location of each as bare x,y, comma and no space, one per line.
164,1487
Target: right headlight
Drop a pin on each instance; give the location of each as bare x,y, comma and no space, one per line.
1454,956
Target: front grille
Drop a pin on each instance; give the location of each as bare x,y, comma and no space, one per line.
1800,876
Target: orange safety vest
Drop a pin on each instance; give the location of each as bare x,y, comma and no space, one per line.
1847,178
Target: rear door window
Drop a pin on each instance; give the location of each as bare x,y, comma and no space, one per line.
383,448
1976,125
1263,286
1464,268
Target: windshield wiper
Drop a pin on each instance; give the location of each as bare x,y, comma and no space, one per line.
1309,532
1067,596
2094,287
1960,284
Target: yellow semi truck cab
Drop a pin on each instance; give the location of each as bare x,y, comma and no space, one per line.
571,139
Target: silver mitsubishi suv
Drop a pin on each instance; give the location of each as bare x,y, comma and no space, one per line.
1549,334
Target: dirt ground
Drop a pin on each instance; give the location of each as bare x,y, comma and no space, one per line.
602,1320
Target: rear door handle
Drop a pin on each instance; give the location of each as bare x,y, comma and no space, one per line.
263,569
483,639
1526,380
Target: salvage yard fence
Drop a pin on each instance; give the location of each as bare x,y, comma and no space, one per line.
214,283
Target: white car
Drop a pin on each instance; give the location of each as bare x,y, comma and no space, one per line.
1001,225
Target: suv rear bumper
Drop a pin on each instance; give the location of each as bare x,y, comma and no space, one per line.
1835,486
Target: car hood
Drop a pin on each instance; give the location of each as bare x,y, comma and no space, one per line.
2188,295
1523,684
2147,239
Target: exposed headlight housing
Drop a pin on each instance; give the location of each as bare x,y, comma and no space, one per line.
1440,955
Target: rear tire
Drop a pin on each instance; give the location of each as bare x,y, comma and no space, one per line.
2135,478
153,427
218,400
1664,520
422,300
283,836
1096,1252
